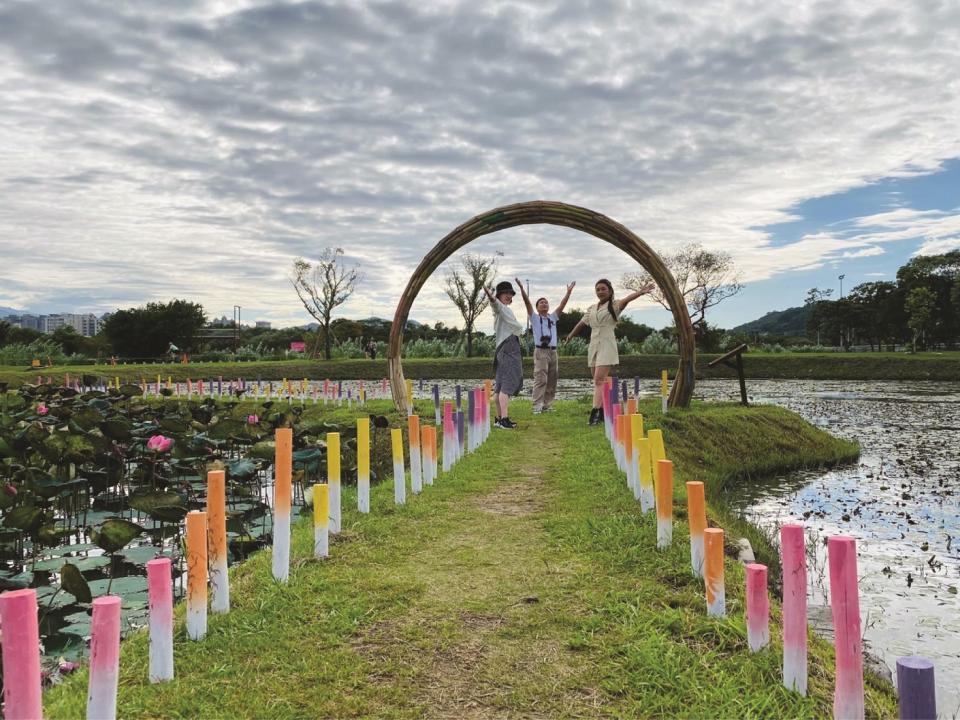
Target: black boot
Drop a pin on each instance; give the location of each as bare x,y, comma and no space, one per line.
593,416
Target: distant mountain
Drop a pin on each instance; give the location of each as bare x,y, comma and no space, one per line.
4,311
791,322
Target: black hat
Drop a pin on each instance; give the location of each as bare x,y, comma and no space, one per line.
504,287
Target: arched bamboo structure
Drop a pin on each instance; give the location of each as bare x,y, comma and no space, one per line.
551,213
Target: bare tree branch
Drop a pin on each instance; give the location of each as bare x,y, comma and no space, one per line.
324,286
466,290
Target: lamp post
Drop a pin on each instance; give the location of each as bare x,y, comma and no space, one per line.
236,328
840,278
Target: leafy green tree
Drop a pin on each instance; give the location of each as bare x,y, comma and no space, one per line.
147,331
938,274
69,339
921,305
877,312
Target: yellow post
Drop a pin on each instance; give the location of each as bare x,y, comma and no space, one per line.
409,396
363,464
333,478
646,474
321,520
399,474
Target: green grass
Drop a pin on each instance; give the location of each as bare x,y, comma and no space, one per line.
524,583
824,366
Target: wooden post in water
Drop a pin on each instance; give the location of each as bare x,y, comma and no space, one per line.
758,607
21,655
104,658
848,702
160,588
713,572
793,560
916,688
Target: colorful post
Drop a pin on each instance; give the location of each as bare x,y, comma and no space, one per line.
282,480
916,688
636,435
758,607
416,468
321,520
333,478
399,477
657,449
217,547
664,391
428,463
409,397
627,437
363,464
697,517
646,475
196,575
459,434
21,655
793,560
848,699
448,437
436,403
160,586
713,572
664,503
104,658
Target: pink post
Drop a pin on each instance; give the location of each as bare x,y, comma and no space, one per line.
160,585
104,658
21,655
845,603
758,607
793,560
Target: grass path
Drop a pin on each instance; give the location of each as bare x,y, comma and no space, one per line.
523,584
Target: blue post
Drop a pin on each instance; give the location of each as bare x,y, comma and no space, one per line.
917,690
615,386
460,431
469,420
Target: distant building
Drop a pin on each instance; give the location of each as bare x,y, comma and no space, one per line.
86,324
263,324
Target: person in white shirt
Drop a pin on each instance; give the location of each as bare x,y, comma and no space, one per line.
507,360
545,365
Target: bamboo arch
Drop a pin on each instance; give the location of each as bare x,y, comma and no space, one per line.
552,213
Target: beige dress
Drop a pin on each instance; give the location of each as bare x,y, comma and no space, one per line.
603,343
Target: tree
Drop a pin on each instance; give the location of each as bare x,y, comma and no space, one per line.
146,332
323,286
705,278
465,289
921,304
877,312
938,274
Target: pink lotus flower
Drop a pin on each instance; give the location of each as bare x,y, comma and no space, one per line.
252,419
159,443
10,490
42,409
67,667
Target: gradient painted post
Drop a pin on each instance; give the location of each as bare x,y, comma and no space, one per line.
458,396
713,572
399,477
615,388
697,518
636,435
758,607
793,560
848,643
916,688
628,464
436,404
427,453
363,464
617,430
469,422
647,502
321,520
104,658
409,397
657,449
333,478
160,588
460,434
217,542
448,431
21,655
664,503
664,390
282,481
197,574
623,392
636,387
435,470
416,468
488,392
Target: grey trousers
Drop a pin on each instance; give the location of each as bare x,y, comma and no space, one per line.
544,377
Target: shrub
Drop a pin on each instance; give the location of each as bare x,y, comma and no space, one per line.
657,344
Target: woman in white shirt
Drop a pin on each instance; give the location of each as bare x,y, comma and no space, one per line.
507,361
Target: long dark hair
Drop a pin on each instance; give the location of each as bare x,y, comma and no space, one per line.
609,285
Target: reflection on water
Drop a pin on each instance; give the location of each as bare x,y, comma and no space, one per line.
900,502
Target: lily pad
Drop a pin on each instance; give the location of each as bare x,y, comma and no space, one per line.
116,429
114,533
25,517
71,580
150,501
83,564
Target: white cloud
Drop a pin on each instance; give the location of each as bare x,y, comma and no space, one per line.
193,149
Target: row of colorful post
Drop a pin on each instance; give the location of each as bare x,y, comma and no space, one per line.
649,476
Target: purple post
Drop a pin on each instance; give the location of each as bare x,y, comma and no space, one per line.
459,433
615,390
845,603
456,393
636,387
623,390
915,684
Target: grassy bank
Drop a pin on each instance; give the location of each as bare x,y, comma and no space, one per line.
825,366
524,583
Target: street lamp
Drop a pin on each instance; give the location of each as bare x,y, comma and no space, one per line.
236,328
841,285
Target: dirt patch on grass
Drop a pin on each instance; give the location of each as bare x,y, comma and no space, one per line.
516,499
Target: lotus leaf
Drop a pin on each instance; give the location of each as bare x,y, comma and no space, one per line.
150,501
72,581
241,469
115,533
266,450
98,402
83,564
25,517
169,513
6,449
52,535
225,429
130,390
90,380
173,425
118,429
122,586
308,459
142,554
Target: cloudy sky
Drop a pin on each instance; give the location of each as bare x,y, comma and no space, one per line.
152,150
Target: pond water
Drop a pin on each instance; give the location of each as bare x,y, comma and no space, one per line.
901,502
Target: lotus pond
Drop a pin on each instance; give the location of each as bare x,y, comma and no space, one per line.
95,483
